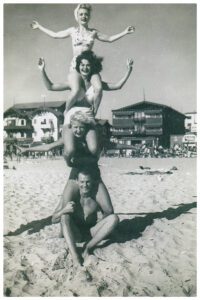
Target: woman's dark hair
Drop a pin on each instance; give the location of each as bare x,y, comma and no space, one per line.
95,61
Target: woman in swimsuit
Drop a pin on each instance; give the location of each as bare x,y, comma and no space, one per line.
83,39
87,64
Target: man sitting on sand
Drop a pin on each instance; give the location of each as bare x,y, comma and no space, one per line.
78,213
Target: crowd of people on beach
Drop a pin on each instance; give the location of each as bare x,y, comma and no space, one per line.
138,152
146,151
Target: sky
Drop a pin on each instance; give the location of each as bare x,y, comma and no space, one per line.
163,48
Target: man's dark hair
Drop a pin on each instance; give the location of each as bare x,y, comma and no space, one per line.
95,61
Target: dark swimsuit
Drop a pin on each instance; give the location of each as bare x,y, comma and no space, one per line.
84,225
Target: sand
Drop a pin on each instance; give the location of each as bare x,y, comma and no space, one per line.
153,252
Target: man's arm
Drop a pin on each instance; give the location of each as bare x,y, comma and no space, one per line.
118,85
69,208
109,39
48,83
56,35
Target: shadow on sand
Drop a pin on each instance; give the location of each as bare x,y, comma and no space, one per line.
32,227
127,229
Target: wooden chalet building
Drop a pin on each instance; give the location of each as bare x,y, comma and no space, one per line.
29,123
147,122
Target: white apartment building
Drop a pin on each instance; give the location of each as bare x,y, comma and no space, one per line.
191,122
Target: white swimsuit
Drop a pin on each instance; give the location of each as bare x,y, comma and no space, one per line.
81,106
81,41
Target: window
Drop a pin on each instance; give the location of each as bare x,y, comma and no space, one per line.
35,121
44,122
22,122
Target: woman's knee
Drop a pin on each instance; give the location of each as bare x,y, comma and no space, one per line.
94,149
69,152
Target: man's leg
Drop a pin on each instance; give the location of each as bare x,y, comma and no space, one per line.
68,230
100,231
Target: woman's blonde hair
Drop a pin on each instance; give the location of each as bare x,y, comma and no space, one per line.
82,5
80,117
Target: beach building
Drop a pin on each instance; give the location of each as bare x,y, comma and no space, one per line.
189,139
27,124
191,122
33,124
146,123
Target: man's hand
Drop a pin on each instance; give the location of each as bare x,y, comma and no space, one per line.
41,63
35,25
129,29
69,208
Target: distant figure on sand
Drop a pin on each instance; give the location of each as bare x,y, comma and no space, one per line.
83,39
78,214
87,64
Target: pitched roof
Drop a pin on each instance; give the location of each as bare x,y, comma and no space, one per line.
23,108
38,104
145,103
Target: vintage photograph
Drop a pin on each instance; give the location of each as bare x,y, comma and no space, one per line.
100,150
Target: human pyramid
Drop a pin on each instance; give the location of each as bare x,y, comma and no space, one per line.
85,193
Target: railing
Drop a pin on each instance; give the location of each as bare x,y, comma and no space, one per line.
125,132
18,127
16,140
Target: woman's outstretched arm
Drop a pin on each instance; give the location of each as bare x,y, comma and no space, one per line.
109,39
48,83
56,35
118,85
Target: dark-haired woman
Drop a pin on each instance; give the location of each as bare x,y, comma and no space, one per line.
87,64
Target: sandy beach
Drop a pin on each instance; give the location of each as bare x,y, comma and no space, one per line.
152,252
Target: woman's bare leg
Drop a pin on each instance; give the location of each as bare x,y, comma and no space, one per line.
92,140
74,80
69,143
103,199
98,91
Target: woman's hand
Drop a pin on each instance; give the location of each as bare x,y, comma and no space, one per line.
41,64
35,25
129,29
129,63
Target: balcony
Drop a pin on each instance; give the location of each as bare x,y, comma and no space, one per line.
122,133
154,122
139,118
18,140
123,123
155,131
18,128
